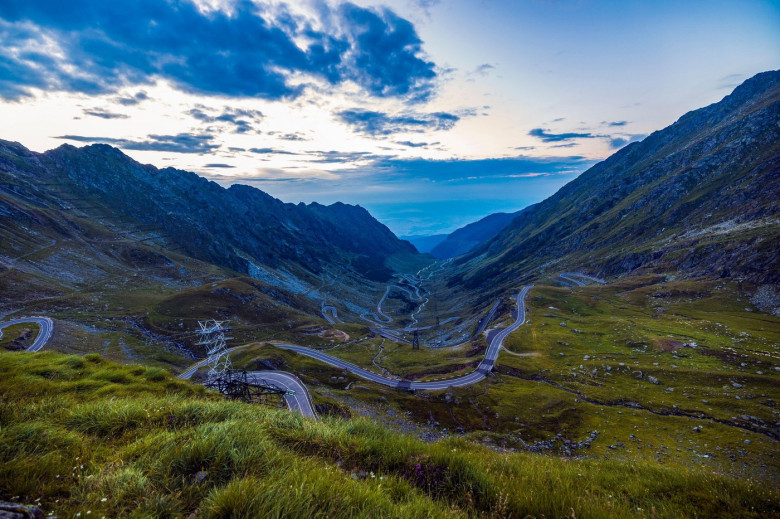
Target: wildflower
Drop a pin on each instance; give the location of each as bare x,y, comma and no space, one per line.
104,500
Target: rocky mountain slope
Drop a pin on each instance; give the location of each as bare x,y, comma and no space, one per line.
469,236
240,228
698,198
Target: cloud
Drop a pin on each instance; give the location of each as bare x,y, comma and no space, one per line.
269,52
268,151
416,144
218,166
241,120
296,136
616,123
374,123
133,100
426,5
103,113
343,157
181,143
617,142
484,69
730,81
385,54
547,136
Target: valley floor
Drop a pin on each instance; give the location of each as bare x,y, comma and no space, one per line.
646,375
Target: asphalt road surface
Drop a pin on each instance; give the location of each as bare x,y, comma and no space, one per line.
297,396
494,347
46,324
572,278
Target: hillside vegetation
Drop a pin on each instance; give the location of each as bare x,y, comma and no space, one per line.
698,198
81,435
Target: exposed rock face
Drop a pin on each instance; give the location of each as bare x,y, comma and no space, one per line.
767,298
698,198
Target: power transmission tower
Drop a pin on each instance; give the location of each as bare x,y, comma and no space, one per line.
213,337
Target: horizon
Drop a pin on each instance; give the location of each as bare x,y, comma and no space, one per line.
383,107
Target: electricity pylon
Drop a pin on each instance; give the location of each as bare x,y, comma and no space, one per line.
213,333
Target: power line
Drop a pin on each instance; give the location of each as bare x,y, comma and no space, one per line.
213,337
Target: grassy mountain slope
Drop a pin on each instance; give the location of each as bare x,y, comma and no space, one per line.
697,198
85,436
469,236
233,227
128,257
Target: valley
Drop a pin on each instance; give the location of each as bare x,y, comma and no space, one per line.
626,325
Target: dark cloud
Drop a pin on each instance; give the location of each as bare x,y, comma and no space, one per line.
218,166
384,54
415,144
290,136
181,143
380,123
265,151
249,52
241,120
617,142
547,136
103,113
617,123
139,97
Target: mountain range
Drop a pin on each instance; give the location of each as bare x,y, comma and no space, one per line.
96,192
698,198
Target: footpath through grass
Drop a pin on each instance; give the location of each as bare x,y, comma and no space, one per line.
83,435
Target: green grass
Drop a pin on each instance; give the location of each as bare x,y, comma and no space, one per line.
81,434
540,394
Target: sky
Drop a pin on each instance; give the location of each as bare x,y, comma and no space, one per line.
429,113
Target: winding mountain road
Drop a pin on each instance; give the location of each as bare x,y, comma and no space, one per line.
46,325
299,399
297,396
495,342
571,277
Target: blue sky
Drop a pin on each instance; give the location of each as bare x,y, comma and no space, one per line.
430,113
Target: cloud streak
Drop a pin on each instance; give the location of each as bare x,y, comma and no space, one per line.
548,136
180,143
